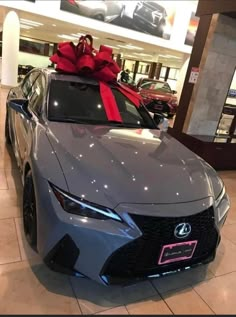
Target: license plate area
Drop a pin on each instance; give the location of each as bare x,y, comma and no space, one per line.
177,252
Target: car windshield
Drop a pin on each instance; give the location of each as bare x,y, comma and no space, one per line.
78,102
156,85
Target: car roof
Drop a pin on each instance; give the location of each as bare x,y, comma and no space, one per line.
56,75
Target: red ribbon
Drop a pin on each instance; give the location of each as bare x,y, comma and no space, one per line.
84,60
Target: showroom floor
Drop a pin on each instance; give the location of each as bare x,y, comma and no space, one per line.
28,287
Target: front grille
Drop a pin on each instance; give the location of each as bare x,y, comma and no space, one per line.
139,258
158,106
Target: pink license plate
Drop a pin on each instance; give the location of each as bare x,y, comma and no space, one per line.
177,252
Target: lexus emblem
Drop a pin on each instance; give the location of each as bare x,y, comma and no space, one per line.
182,230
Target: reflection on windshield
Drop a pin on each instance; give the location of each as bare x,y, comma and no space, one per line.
81,103
152,85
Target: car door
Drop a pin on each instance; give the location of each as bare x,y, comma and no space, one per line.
21,123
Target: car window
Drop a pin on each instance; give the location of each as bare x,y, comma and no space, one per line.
37,94
82,103
28,83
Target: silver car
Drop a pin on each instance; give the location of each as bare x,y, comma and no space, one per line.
111,201
104,10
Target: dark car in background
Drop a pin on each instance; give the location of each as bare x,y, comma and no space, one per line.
151,17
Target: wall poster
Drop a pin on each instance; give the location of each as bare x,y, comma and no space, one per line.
151,17
192,29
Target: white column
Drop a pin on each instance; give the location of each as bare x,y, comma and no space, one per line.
10,49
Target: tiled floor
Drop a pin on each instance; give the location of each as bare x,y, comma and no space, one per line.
28,287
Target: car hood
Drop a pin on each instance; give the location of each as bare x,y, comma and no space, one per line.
110,166
157,95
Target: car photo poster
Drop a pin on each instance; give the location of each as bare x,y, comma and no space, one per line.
151,17
192,29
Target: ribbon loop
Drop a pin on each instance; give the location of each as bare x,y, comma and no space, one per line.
84,60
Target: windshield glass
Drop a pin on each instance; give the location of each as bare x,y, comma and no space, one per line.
156,85
81,103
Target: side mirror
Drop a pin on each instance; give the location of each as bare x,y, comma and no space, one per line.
161,121
174,92
20,106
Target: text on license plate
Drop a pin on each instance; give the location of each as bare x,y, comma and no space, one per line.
177,252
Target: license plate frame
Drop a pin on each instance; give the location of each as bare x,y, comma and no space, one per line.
177,252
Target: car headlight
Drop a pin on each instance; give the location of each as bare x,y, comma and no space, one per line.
222,204
81,207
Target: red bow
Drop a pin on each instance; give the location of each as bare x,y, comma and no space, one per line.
84,60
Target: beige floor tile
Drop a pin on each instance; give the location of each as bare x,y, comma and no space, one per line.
94,297
13,179
27,253
187,302
10,197
115,311
219,293
9,212
9,247
225,261
3,180
229,231
150,306
35,289
231,218
183,279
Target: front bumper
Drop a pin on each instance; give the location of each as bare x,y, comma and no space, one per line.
113,252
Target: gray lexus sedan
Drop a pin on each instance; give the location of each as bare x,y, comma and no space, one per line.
111,201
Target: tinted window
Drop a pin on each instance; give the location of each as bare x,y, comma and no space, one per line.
156,86
37,94
28,83
82,103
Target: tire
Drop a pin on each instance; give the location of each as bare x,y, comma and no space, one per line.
160,29
99,17
29,211
7,133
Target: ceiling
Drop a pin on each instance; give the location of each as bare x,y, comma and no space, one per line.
48,30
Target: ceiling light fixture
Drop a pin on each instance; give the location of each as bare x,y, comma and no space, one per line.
27,27
131,47
80,34
67,37
54,25
142,54
30,22
115,47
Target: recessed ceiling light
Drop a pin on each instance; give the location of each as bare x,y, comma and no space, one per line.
142,54
30,22
131,47
53,24
67,37
115,47
27,27
80,34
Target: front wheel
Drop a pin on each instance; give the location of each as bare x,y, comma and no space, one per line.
161,29
29,211
99,17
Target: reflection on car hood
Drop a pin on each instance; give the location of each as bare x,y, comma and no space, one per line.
158,95
114,165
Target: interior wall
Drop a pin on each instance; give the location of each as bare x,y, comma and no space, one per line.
34,60
181,78
216,76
